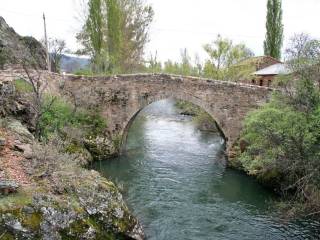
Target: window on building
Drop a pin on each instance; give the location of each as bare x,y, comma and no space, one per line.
253,81
269,83
261,82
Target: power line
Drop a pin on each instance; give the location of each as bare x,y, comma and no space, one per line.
35,15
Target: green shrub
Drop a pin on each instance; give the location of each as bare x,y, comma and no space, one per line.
22,86
84,72
62,114
205,122
188,108
283,148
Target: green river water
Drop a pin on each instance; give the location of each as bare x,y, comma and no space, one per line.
175,182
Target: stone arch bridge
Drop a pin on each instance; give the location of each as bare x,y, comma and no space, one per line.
120,98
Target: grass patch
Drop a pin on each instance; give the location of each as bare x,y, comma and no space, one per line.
17,200
62,114
84,72
22,86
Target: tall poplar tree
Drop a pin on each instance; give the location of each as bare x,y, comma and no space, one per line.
115,34
92,36
274,36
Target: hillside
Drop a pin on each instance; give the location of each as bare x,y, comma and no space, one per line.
14,48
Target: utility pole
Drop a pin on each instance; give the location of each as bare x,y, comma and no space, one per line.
46,43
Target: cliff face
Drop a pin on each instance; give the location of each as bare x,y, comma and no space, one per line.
15,48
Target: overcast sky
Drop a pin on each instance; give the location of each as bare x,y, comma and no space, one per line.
178,24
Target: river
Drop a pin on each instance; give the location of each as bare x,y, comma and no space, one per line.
175,181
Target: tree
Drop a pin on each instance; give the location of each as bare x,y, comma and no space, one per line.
274,26
171,67
223,54
209,70
56,49
137,17
303,60
284,136
39,104
154,65
115,34
303,53
219,52
186,67
93,36
198,65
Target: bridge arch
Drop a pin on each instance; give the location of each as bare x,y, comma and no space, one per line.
188,98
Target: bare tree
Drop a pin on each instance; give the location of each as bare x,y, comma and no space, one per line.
303,52
56,47
39,104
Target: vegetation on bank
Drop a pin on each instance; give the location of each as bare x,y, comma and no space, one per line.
283,138
83,130
62,114
203,121
58,199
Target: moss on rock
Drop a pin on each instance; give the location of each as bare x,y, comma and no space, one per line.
90,208
101,147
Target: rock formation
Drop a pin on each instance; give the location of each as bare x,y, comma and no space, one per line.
15,48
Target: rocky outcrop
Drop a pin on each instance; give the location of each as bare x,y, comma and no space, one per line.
101,147
64,201
88,207
7,186
14,48
11,103
7,101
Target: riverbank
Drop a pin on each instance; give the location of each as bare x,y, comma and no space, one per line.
47,193
264,164
203,121
174,180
